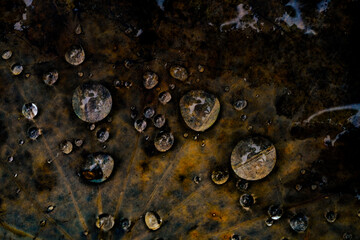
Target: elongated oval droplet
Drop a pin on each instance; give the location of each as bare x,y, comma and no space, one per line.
199,109
91,102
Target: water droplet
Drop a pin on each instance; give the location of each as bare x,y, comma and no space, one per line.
201,68
79,142
203,143
92,127
16,69
29,110
347,236
133,113
21,142
10,158
240,105
235,237
27,75
227,89
50,77
125,224
151,79
80,74
50,208
164,141
140,125
330,216
186,135
220,177
91,102
172,86
197,179
246,200
179,73
42,223
86,233
253,158
49,161
303,171
199,109
299,222
243,117
15,175
298,187
128,64
269,222
98,167
164,97
34,133
149,112
127,84
105,222
78,29
66,147
102,135
159,120
153,221
313,187
75,55
6,54
275,212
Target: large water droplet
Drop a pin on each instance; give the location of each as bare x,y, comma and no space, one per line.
153,221
105,222
253,158
75,55
91,102
164,141
29,110
299,222
199,109
98,167
179,73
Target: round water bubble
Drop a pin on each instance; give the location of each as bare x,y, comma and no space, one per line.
98,167
50,77
102,135
330,216
164,141
159,120
140,125
299,222
246,200
164,97
75,55
149,112
275,212
220,177
29,110
153,221
105,222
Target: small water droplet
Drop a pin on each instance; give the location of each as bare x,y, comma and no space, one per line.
298,187
79,142
246,200
15,175
164,141
226,88
42,223
80,74
159,120
242,185
275,212
220,177
235,237
125,224
10,158
303,171
21,142
203,143
17,69
313,187
299,222
49,161
128,84
34,133
92,127
66,147
240,105
269,222
86,233
186,135
18,191
50,77
172,86
102,135
29,110
27,75
179,73
243,117
164,97
105,222
140,125
151,79
6,54
98,167
128,63
78,29
153,221
197,179
75,55
50,208
330,216
133,113
347,236
201,68
149,112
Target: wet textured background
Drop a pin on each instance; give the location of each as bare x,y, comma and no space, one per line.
287,67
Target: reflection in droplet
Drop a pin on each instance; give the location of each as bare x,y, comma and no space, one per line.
140,125
29,110
253,158
105,222
91,102
159,120
220,177
98,167
164,141
66,147
34,133
199,109
164,97
50,77
179,73
299,222
275,212
6,54
246,200
153,221
151,79
75,55
16,69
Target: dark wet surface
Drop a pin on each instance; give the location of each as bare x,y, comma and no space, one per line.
290,60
